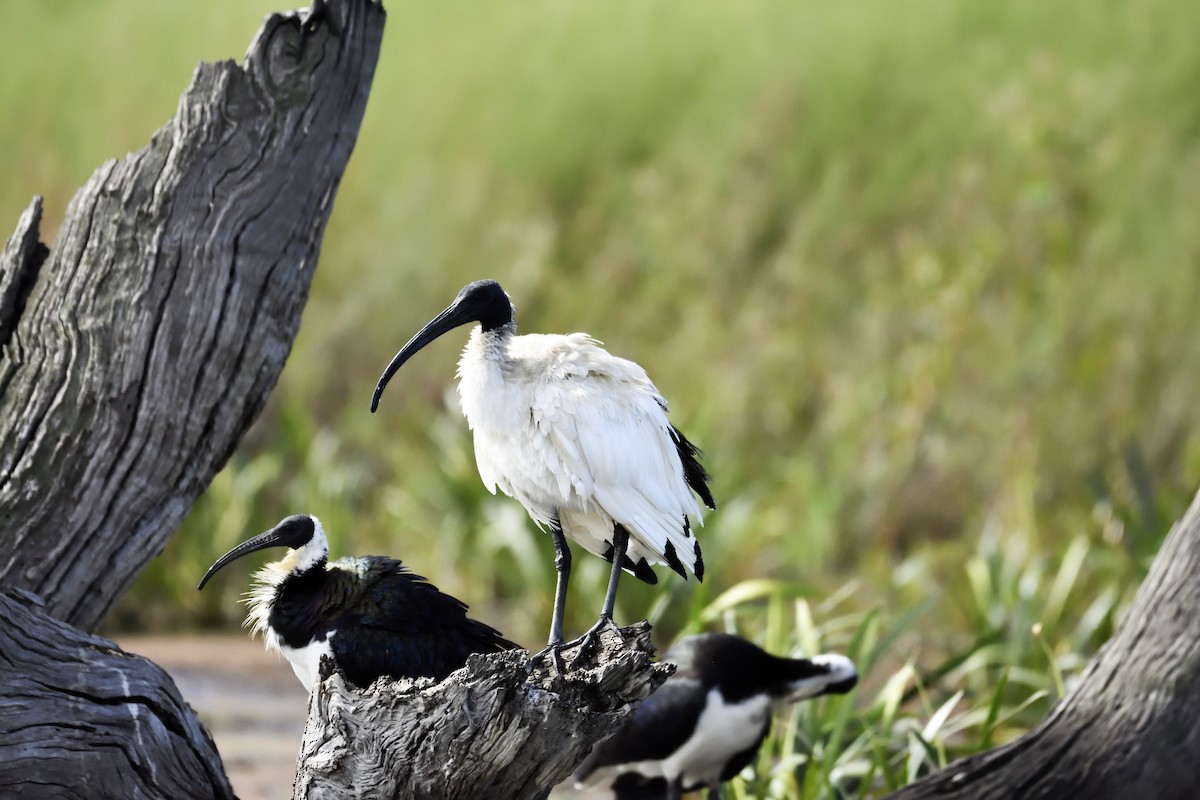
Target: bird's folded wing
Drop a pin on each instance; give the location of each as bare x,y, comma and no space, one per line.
612,442
659,727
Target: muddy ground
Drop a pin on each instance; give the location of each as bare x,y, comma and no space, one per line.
248,699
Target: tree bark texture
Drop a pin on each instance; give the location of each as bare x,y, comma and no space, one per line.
1129,728
135,354
80,718
492,730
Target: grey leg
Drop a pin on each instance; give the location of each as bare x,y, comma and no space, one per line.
588,640
562,569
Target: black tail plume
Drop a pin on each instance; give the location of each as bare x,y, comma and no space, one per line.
697,478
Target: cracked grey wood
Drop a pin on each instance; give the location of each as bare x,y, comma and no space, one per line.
79,718
149,339
491,730
1128,728
134,354
19,264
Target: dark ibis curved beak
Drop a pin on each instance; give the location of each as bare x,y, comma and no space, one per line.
272,538
455,315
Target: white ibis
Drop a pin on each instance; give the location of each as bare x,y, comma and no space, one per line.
580,438
373,616
707,722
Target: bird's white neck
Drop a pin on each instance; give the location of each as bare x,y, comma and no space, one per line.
481,373
309,555
487,347
261,596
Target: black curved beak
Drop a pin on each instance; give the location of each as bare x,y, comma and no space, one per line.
271,538
455,315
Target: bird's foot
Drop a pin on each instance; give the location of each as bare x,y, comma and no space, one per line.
554,651
587,643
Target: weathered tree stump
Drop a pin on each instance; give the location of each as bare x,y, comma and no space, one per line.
135,355
79,718
491,730
1129,727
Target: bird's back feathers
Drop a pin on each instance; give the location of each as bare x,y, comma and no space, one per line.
380,619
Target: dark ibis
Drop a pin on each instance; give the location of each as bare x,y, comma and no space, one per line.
373,616
706,723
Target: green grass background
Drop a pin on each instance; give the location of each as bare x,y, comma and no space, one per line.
922,281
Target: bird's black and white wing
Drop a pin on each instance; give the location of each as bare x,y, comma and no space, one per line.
659,728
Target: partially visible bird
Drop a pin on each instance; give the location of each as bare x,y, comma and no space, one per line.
580,438
373,616
707,722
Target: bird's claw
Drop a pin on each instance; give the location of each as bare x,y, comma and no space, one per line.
554,651
587,643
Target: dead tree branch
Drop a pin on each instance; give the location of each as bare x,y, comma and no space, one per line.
135,355
1128,728
80,718
489,731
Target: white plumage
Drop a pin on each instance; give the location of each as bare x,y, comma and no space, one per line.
578,436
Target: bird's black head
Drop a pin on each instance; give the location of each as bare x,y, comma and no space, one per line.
720,660
298,531
486,303
482,301
742,669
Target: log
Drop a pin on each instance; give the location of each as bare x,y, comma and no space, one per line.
137,350
1128,727
490,730
116,719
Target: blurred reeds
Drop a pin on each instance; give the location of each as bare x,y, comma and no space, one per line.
921,280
